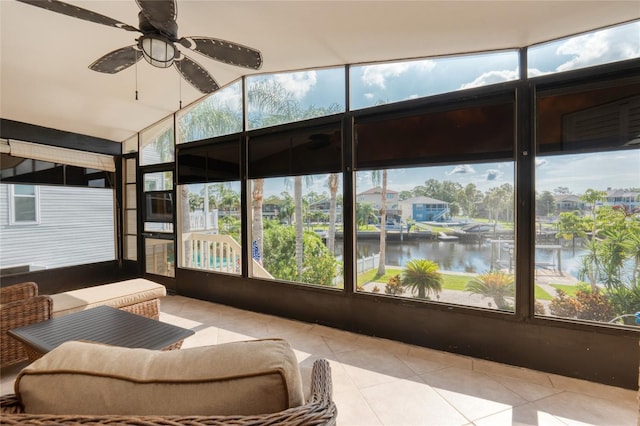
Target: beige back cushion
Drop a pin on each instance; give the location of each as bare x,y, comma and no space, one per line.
116,295
240,378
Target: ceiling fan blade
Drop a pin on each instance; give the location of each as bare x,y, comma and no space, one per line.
117,60
78,12
224,51
195,74
161,14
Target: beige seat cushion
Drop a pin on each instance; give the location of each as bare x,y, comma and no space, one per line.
117,295
243,378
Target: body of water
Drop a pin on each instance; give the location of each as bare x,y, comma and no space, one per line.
461,257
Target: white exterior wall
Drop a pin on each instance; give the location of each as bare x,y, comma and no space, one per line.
76,227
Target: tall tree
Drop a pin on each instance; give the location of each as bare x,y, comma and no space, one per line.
257,194
299,223
333,182
376,177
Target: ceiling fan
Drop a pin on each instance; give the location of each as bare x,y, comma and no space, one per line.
158,42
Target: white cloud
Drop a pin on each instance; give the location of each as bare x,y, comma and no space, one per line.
599,47
462,169
376,75
492,77
369,95
297,83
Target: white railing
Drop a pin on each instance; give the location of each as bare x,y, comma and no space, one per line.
367,263
214,252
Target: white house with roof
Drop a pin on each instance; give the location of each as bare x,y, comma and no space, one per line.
373,197
617,197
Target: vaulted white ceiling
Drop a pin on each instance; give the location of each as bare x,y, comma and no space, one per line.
44,56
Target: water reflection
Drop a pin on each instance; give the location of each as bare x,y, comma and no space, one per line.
458,256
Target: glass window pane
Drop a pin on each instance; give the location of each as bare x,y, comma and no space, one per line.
442,233
75,227
210,231
130,167
313,149
216,115
283,98
587,204
461,134
131,247
25,209
594,48
159,257
296,230
379,84
156,143
604,117
131,224
24,190
158,181
131,196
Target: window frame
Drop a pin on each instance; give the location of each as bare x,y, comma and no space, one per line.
12,205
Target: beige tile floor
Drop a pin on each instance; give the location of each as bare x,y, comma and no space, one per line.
382,382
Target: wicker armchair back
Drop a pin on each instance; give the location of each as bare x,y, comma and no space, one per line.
20,305
319,410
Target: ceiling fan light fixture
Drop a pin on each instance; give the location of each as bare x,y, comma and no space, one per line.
157,50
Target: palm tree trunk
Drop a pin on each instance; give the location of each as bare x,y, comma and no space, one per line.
186,223
333,191
383,225
299,224
256,222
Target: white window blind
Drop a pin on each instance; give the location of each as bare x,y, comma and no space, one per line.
57,155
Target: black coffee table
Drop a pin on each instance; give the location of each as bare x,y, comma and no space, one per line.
102,324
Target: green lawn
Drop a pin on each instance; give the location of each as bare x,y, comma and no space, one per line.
449,281
569,289
541,294
454,282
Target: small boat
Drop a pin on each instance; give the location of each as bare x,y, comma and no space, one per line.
444,237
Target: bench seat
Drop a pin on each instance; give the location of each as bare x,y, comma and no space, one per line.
138,295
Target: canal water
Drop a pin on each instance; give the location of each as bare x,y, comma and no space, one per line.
459,256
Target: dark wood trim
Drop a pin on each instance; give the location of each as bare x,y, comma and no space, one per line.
17,130
58,280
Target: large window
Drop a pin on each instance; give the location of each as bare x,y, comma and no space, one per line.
443,233
294,96
218,114
588,203
157,143
74,226
211,224
607,45
297,229
378,84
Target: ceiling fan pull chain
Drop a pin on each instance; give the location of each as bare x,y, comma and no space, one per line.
136,65
180,90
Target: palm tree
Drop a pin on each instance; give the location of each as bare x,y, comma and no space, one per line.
333,182
497,285
364,214
422,275
297,191
375,178
257,195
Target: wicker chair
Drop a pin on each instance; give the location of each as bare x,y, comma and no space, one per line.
319,410
20,305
